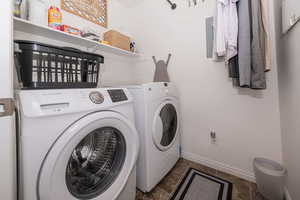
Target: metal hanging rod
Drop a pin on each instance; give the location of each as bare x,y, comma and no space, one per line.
173,5
190,2
194,2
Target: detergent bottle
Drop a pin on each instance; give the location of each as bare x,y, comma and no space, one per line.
54,18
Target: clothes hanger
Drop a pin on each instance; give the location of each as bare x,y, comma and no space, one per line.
195,2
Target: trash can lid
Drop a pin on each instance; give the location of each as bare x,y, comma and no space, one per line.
269,167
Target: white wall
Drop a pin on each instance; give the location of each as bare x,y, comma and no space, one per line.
117,70
247,122
289,93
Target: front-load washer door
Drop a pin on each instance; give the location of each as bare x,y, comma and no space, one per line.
92,159
165,125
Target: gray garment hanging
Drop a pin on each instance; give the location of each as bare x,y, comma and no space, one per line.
258,76
233,68
161,70
244,43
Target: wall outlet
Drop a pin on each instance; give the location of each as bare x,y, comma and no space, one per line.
213,137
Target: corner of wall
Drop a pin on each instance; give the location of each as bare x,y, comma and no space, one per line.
287,194
276,42
247,175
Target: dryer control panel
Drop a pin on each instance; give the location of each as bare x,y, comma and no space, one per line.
117,95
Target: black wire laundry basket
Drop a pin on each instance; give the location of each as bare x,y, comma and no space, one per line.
43,66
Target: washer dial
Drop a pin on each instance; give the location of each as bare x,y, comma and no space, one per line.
96,97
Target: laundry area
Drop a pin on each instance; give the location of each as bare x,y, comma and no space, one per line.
149,100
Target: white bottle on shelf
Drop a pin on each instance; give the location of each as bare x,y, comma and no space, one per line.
38,11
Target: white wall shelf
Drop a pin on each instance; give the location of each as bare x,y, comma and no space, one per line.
45,31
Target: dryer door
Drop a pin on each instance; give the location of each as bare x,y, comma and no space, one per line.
165,125
92,159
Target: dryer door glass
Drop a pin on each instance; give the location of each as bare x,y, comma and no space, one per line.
168,117
95,163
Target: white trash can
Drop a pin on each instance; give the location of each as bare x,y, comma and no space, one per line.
269,178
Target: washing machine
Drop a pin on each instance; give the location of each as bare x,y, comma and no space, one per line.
157,121
77,144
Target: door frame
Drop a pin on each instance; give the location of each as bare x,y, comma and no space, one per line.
8,183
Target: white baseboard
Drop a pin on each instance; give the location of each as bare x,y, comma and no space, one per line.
287,194
220,166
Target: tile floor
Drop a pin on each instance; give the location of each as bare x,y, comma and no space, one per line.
242,189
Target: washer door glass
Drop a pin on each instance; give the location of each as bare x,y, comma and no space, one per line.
165,126
95,163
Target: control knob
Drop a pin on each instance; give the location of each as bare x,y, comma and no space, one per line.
96,97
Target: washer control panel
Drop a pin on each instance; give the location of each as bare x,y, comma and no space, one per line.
96,97
117,95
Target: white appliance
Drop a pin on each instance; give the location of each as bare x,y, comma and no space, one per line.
157,121
77,144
